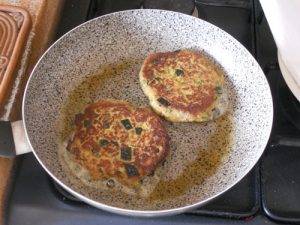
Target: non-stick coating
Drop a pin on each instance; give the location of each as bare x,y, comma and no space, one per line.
101,59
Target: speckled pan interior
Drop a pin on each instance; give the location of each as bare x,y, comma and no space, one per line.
102,58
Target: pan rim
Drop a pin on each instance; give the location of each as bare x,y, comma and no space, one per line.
147,213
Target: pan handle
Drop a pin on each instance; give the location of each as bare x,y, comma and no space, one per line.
12,139
21,143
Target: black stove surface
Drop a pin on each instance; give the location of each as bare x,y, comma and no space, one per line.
268,195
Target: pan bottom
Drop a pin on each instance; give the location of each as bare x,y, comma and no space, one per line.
197,149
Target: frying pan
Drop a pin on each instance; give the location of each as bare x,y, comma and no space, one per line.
101,59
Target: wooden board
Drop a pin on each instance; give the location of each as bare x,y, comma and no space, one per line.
6,171
45,16
14,29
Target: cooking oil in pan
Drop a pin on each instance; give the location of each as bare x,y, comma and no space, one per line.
197,149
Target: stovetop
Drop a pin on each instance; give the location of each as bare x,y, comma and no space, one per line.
269,194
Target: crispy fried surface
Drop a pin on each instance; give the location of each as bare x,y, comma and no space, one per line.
114,140
182,86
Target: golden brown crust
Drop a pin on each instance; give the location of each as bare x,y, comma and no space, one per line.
183,80
113,139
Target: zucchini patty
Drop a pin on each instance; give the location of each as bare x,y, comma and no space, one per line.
115,140
184,86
